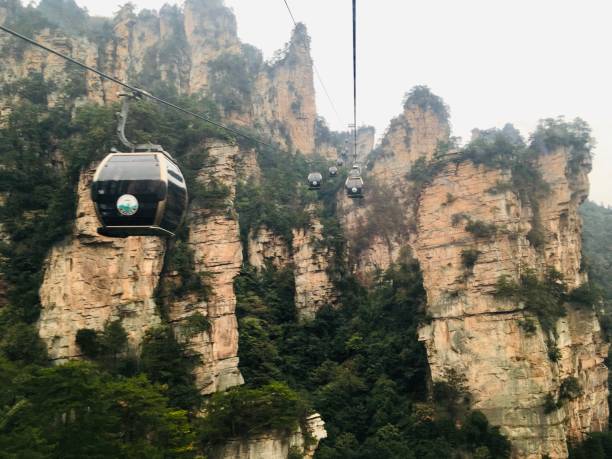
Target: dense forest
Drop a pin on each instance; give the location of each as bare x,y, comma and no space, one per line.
360,365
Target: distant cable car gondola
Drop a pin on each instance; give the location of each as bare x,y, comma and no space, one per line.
314,180
139,193
354,183
333,171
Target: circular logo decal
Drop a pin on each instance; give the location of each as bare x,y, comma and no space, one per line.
127,205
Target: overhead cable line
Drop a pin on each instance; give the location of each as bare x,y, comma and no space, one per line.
355,77
135,90
316,70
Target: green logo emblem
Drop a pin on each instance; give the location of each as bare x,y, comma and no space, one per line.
127,205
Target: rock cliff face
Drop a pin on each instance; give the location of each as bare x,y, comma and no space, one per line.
276,445
214,237
175,46
210,30
366,136
414,134
90,280
265,247
309,259
508,369
379,227
313,286
285,95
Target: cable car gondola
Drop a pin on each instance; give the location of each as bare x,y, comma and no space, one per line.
354,183
333,171
138,193
314,180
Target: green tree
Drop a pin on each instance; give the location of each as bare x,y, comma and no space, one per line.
165,361
75,410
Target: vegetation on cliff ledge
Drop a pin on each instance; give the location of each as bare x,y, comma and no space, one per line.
423,98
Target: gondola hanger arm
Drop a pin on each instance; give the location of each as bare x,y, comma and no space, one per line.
123,116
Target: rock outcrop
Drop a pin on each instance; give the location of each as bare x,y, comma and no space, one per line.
284,95
266,248
309,259
276,445
414,134
90,280
378,228
210,30
214,238
508,369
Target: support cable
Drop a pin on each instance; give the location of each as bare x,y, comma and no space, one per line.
355,78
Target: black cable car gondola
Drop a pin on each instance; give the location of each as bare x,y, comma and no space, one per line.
314,180
140,193
354,183
333,171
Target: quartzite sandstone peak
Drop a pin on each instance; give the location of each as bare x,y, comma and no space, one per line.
90,280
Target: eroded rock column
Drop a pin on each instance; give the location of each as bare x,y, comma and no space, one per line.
90,280
214,237
508,369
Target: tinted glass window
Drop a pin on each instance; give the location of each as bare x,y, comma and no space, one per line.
131,167
354,183
128,158
175,175
175,206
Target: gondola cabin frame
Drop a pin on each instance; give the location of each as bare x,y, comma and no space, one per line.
141,193
314,180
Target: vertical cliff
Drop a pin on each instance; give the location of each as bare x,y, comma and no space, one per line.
381,225
284,98
214,239
366,136
90,280
414,134
313,285
210,30
179,47
265,248
472,231
309,259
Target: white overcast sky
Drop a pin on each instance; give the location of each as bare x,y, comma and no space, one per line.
492,61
